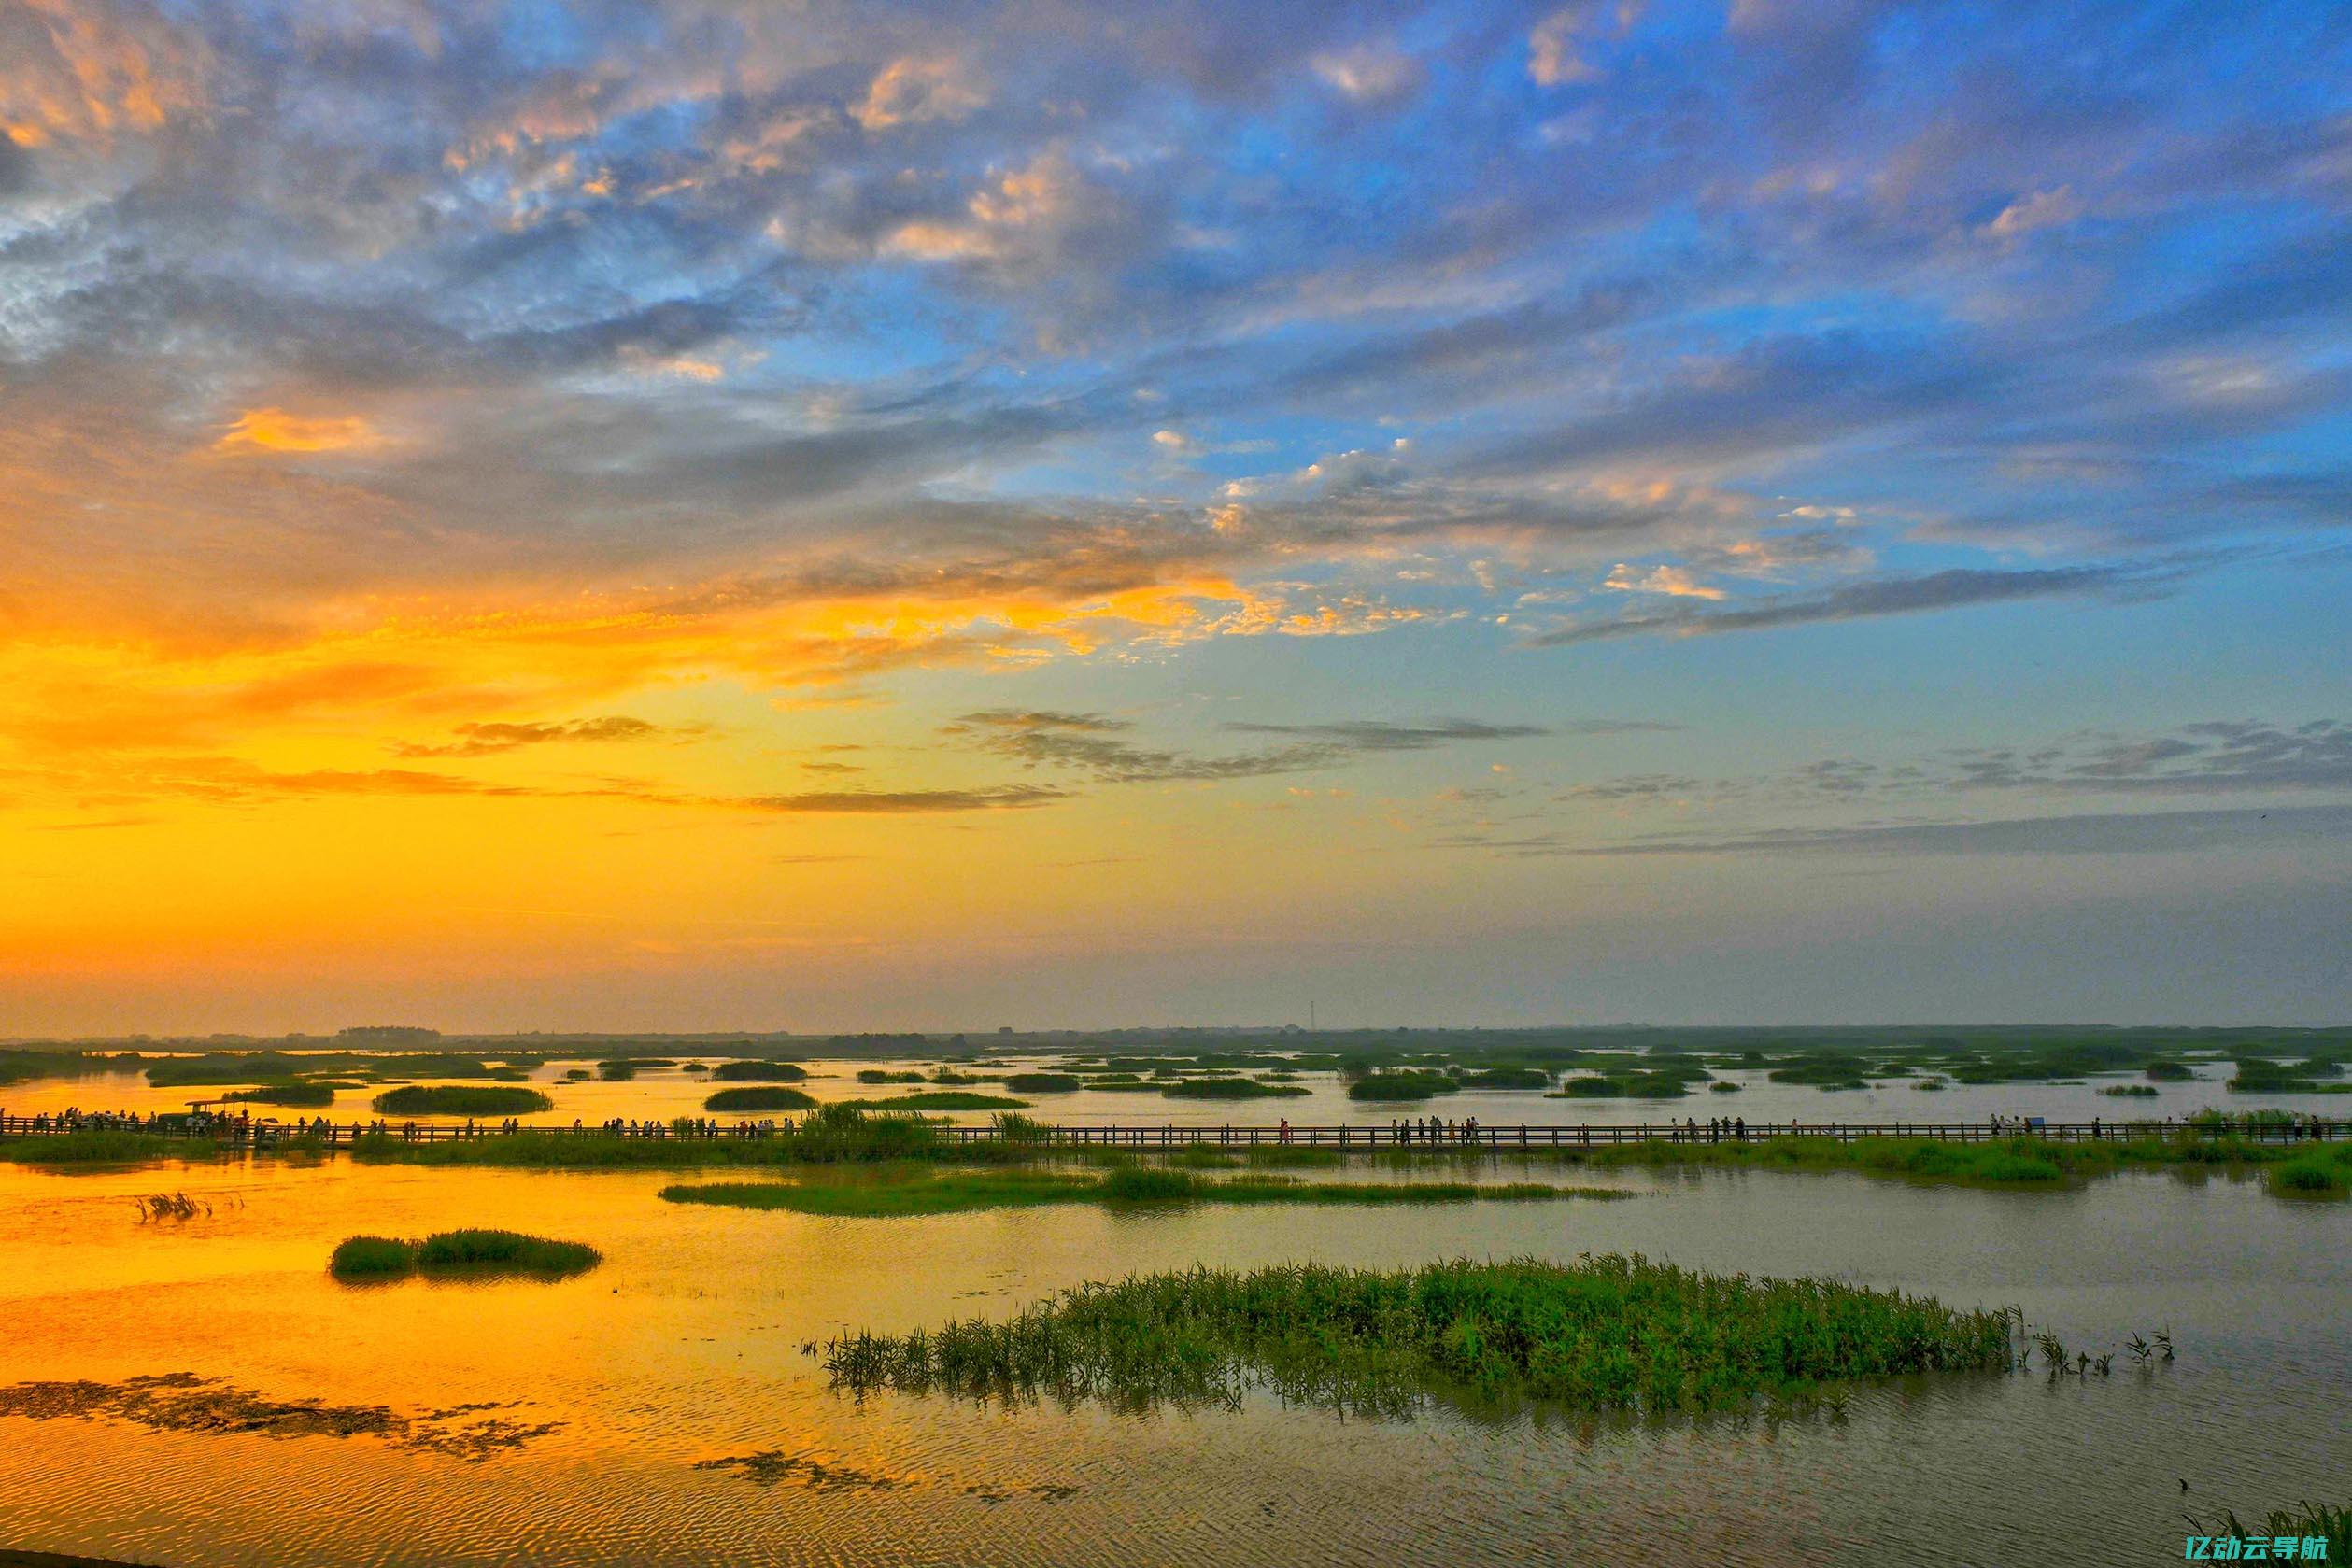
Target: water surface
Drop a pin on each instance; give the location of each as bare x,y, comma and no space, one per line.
687,1424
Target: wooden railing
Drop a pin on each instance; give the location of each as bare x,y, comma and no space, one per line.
1500,1138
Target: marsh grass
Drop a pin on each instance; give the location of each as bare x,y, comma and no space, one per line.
96,1148
1506,1077
2314,1174
829,1134
1399,1086
1229,1089
309,1095
893,1198
1604,1334
769,1097
939,1099
899,1193
1045,1082
2329,1523
461,1252
459,1099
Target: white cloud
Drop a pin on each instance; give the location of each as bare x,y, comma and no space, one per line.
1555,56
1367,74
911,92
2042,209
1673,581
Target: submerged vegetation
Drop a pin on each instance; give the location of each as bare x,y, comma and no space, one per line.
461,1100
960,1191
1607,1332
460,1252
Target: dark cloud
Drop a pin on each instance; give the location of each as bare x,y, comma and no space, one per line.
1379,735
1637,787
1953,588
16,166
898,802
2148,833
1088,742
1092,743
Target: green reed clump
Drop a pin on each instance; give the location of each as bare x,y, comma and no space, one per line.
1015,1128
899,1198
1150,1184
1506,1077
769,1098
372,1257
1402,1084
460,1252
940,1099
2258,1076
2305,1520
465,1251
459,1099
1606,1333
899,1193
303,1095
1045,1082
829,1134
879,1075
96,1148
759,1072
2316,1174
1230,1089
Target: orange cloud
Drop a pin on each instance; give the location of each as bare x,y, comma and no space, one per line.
273,430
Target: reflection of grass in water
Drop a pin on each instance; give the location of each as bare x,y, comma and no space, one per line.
962,1191
1606,1333
460,1252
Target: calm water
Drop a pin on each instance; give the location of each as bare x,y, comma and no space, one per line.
684,1349
661,1093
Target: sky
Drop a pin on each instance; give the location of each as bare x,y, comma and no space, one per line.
721,513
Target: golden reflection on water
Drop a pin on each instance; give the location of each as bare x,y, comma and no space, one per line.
688,1426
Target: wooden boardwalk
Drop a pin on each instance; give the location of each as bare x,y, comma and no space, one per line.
1366,1138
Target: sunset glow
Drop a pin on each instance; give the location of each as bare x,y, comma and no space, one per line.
716,514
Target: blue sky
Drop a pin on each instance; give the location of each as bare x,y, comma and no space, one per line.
1663,510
